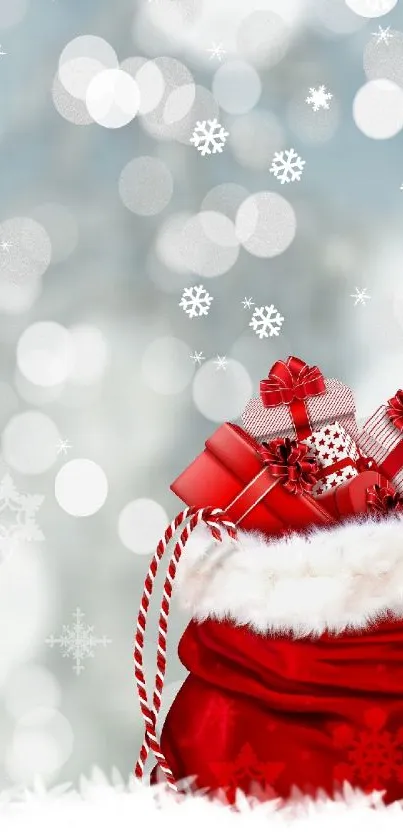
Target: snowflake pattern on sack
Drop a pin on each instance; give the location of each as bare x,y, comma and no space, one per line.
373,752
253,776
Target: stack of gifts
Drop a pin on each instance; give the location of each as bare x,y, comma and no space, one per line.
299,459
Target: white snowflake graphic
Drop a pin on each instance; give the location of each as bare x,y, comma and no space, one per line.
247,302
2,51
62,446
17,517
77,641
287,166
216,51
209,137
5,245
221,362
197,358
266,321
195,301
319,98
383,35
360,296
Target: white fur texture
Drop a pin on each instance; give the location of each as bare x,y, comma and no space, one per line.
100,810
344,577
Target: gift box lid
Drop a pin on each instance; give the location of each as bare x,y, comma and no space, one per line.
266,422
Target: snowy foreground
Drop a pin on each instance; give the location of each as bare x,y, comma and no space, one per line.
118,811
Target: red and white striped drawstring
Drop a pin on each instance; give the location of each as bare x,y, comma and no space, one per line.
214,518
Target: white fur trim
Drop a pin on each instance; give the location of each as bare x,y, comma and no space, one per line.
102,810
345,577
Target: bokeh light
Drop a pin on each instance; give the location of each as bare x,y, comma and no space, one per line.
223,199
378,109
29,442
25,251
266,224
237,87
90,354
81,60
255,137
149,80
28,687
112,98
371,8
61,227
166,365
45,354
141,524
220,395
146,185
81,487
385,60
263,38
42,742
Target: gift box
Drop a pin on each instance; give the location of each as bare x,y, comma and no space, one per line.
296,400
232,474
337,455
360,496
382,439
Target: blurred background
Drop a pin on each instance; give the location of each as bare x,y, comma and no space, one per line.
110,209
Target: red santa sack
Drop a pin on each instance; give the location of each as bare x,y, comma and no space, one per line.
295,660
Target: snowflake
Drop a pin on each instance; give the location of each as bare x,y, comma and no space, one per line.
77,641
5,245
247,302
383,35
247,773
266,321
221,362
319,98
22,526
373,754
195,301
287,166
197,358
62,446
2,51
209,140
217,51
360,296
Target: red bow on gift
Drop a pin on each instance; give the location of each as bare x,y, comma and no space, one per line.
290,462
382,499
291,382
395,410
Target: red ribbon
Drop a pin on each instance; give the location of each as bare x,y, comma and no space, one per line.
291,382
290,462
395,410
382,499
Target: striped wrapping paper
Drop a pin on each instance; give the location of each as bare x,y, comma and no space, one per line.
330,446
378,438
337,404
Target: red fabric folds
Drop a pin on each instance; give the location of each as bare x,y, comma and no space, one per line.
279,712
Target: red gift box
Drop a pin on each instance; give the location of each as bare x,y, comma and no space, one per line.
351,498
230,475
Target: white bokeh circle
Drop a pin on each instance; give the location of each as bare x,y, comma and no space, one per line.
12,13
146,185
263,38
45,354
30,686
385,60
141,524
224,199
237,87
221,395
81,60
378,109
72,109
42,742
266,224
149,80
205,252
81,487
29,442
371,8
112,98
166,365
29,250
91,354
168,243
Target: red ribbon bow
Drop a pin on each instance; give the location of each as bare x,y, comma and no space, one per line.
290,462
291,382
365,464
395,410
382,499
